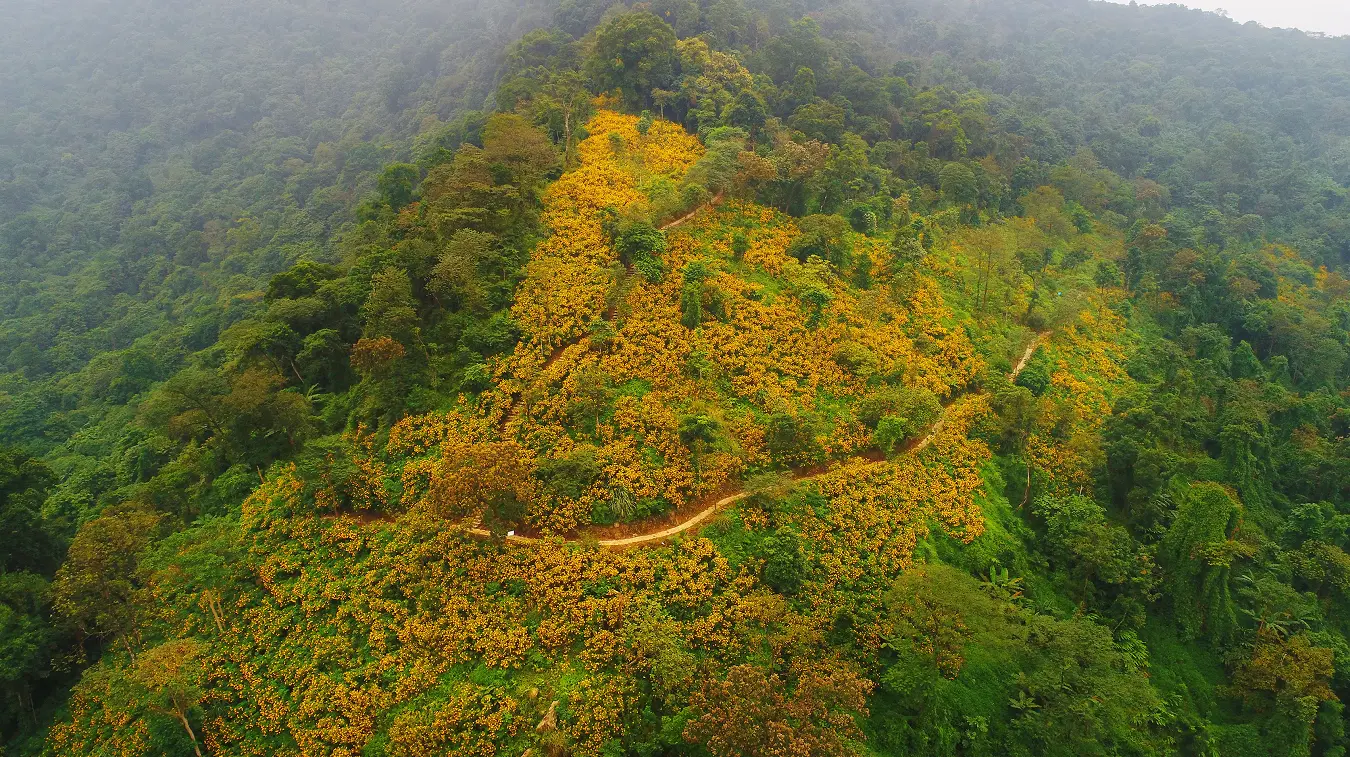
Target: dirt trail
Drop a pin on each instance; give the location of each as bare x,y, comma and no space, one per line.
716,199
712,509
512,415
1026,356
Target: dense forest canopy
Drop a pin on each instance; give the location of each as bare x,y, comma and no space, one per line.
1228,117
708,377
146,143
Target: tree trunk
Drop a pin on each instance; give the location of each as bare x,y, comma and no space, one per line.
567,135
32,711
182,718
213,604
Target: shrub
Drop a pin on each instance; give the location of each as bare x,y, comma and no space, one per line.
651,269
790,439
825,236
855,358
569,476
640,244
739,245
1036,375
785,566
635,239
475,378
920,407
892,432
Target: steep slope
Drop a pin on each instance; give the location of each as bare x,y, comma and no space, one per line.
391,659
613,369
837,405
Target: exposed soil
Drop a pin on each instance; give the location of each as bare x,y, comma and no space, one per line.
680,520
716,200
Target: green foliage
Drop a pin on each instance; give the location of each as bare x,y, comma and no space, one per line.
785,566
967,674
396,185
1102,560
27,541
740,245
1198,553
94,588
697,296
634,53
569,476
826,237
791,439
218,268
699,433
640,244
636,239
904,410
1035,377
717,169
958,183
28,642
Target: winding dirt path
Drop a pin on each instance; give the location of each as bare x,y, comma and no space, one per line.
709,511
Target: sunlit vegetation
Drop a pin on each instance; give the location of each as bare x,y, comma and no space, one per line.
1006,421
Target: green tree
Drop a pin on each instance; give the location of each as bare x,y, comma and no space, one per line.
390,309
958,184
698,433
634,53
748,111
718,168
790,439
27,541
820,120
926,606
94,590
1289,678
785,565
825,236
692,293
1197,555
640,245
397,184
523,152
456,278
569,476
172,676
1103,561
909,409
27,644
592,395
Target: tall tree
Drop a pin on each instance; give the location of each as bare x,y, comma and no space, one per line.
633,53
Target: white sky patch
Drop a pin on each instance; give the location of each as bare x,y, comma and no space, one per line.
1331,17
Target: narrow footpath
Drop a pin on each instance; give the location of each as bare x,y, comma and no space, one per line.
708,512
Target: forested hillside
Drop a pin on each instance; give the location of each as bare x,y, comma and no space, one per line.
711,378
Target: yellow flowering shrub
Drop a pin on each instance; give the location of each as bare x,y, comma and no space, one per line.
469,722
1087,359
384,620
763,349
